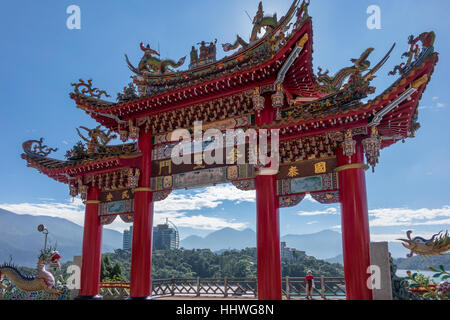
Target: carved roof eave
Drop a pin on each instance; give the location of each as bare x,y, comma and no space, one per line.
418,77
363,112
93,106
305,60
64,171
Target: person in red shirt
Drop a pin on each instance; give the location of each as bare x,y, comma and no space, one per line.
309,279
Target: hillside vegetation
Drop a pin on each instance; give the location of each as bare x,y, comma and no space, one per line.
206,264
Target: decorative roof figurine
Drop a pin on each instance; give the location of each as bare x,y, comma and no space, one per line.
259,21
194,57
207,54
151,64
129,93
97,138
38,147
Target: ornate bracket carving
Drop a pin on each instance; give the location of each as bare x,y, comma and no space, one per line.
88,90
36,147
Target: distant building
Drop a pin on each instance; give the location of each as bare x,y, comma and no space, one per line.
127,239
290,254
165,237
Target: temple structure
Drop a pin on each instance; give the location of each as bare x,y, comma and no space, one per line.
328,138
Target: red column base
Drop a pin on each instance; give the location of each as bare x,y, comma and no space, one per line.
92,246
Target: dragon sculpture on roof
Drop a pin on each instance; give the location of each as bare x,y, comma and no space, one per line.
259,21
150,63
427,40
331,84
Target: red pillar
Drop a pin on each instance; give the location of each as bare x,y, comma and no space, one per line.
268,239
267,225
355,223
141,254
92,247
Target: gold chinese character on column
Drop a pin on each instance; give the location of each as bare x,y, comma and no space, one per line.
125,195
293,172
165,163
320,167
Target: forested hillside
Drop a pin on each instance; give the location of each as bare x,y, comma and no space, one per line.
207,264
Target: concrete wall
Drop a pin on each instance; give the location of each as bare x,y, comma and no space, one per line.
77,262
379,257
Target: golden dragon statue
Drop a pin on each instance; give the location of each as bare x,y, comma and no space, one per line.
43,280
438,245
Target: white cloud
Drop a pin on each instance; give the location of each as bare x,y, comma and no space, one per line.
327,211
174,208
435,105
209,197
72,210
388,217
202,222
393,237
312,222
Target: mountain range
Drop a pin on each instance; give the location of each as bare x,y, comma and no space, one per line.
21,242
326,244
323,244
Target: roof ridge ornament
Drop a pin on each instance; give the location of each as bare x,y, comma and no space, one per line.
207,54
129,93
88,90
414,54
151,64
37,147
97,137
259,21
335,83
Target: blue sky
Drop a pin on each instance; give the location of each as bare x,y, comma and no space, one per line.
40,58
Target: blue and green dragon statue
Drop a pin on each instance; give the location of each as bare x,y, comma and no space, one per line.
43,280
427,39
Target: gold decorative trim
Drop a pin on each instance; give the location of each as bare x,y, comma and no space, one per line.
310,160
422,80
92,202
352,166
130,156
302,41
143,190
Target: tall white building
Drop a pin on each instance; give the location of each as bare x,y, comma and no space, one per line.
127,239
